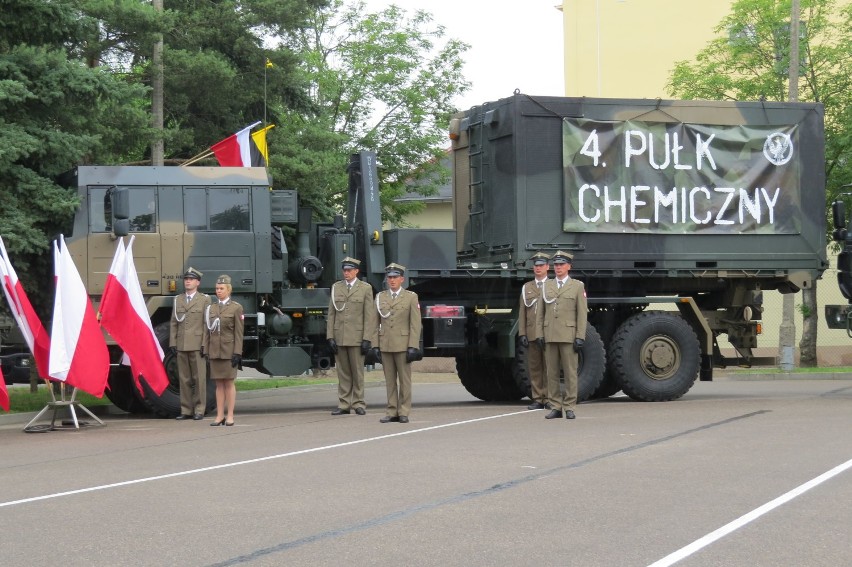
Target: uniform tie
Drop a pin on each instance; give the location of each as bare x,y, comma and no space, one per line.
188,299
394,294
558,283
538,284
349,287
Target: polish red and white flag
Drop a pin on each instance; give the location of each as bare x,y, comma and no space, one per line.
236,149
125,317
22,310
78,351
4,395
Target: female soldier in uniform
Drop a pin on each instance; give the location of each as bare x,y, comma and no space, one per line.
223,343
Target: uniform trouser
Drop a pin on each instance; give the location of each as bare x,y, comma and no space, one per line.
537,372
192,369
399,395
350,377
561,356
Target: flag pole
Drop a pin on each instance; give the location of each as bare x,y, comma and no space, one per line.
198,157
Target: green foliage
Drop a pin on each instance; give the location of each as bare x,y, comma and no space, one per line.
749,60
378,81
54,114
216,78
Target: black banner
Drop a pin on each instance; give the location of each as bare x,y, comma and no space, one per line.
637,177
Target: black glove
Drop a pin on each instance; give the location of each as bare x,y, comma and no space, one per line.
173,350
540,342
365,347
578,345
525,342
332,344
203,354
377,354
237,361
412,355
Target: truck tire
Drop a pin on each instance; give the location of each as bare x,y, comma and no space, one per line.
608,386
168,403
488,379
655,356
590,372
122,392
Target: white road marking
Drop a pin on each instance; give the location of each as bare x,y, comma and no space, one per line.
703,542
250,461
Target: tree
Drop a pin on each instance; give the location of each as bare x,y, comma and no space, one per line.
378,81
54,114
214,57
749,60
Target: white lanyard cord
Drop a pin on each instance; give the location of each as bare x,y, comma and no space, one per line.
216,325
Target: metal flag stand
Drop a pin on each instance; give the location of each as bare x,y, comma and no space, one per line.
72,403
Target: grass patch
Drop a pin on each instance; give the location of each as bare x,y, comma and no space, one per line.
21,400
246,384
773,370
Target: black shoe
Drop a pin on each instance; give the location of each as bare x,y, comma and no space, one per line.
390,418
217,423
553,414
339,411
183,416
569,414
535,405
403,419
548,406
360,411
198,417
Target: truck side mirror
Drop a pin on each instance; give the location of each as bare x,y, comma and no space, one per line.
120,201
121,227
118,208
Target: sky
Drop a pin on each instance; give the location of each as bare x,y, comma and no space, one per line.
514,44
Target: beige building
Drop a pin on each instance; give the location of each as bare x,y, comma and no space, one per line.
626,48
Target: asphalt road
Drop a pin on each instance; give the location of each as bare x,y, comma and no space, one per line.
750,473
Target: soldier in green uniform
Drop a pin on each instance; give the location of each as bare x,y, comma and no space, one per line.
562,326
223,344
350,331
399,341
530,304
185,341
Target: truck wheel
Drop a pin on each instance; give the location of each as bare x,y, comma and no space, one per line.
520,370
121,392
488,379
590,372
592,362
168,403
609,386
656,356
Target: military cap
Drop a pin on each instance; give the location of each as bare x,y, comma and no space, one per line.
539,258
224,279
192,273
350,262
560,257
395,270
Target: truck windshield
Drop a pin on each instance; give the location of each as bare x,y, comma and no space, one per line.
143,209
217,209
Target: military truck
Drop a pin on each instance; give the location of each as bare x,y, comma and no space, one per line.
679,214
